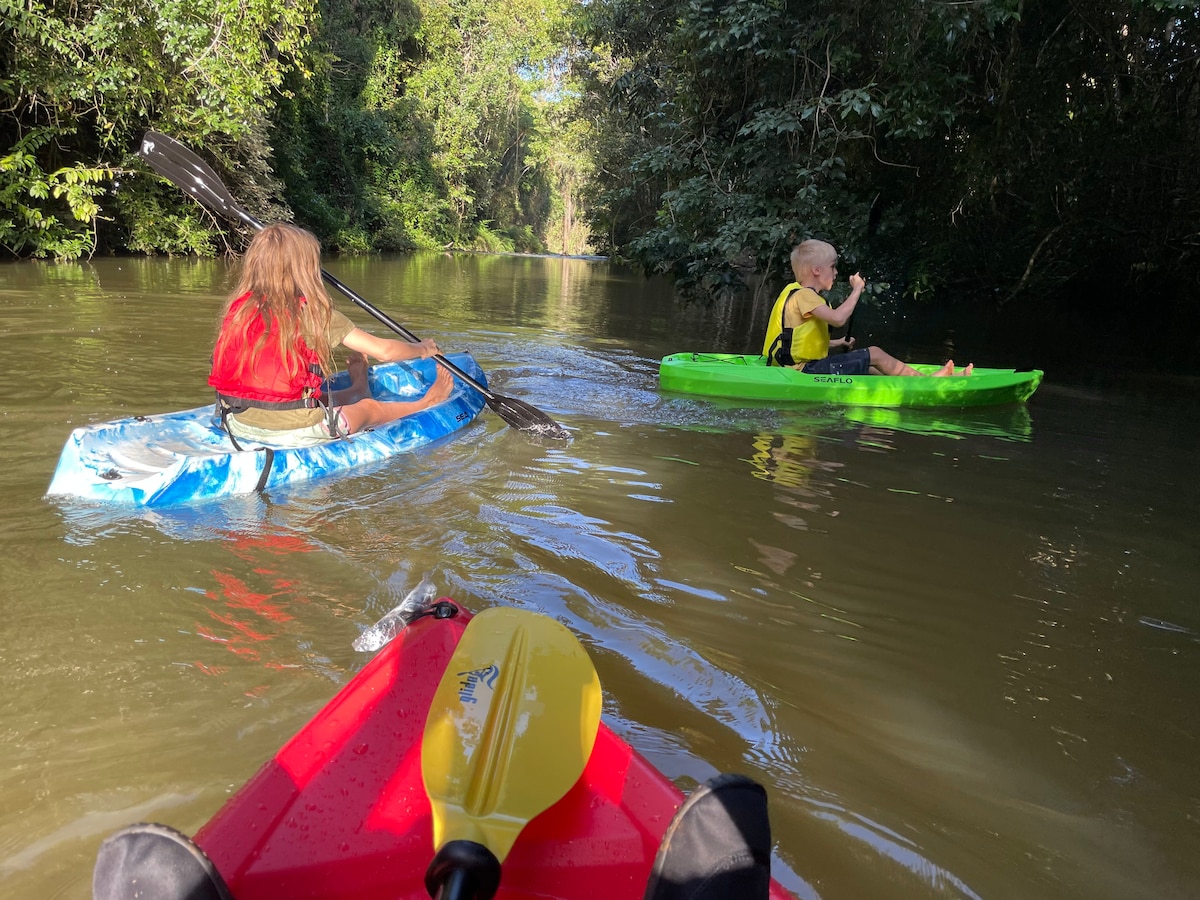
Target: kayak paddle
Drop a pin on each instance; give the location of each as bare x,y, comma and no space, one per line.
509,731
179,165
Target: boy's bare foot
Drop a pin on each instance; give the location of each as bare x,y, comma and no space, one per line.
967,371
947,369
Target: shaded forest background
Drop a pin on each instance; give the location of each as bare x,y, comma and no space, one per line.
991,152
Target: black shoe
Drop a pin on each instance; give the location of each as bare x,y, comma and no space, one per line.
718,845
154,862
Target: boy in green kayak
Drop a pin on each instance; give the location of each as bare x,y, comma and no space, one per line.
798,329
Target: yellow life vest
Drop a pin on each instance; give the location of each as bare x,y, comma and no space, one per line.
788,346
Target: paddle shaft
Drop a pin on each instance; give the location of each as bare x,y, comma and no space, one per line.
458,887
463,870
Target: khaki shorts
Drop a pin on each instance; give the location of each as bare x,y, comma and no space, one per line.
290,438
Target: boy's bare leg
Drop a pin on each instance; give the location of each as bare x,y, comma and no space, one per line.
885,364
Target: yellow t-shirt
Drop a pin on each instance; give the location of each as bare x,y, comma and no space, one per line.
810,335
287,419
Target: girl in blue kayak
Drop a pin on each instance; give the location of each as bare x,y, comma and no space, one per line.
798,329
275,346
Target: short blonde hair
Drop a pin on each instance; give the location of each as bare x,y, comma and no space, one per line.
811,253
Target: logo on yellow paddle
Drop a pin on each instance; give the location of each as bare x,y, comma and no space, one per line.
470,680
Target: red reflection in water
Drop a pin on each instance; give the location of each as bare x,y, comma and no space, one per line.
239,595
247,619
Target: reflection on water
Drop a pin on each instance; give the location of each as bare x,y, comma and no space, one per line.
1008,423
959,649
787,459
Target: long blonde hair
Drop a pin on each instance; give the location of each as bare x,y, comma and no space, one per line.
281,272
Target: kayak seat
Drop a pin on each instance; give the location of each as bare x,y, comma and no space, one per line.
718,845
148,459
155,862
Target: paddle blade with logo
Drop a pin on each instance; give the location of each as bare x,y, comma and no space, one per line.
509,732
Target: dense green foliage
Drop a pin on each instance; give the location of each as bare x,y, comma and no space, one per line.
81,81
425,128
1000,147
1002,144
379,125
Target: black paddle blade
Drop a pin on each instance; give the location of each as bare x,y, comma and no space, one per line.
183,168
523,417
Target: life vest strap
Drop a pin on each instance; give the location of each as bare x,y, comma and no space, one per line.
268,453
238,404
228,406
780,353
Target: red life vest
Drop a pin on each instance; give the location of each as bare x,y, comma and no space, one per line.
264,381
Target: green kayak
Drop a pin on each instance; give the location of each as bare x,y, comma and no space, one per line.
748,377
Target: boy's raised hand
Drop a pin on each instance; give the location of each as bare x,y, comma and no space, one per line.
857,282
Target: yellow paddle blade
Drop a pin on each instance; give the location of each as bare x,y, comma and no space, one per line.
510,728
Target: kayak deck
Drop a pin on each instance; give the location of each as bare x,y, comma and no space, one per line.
748,377
341,810
178,457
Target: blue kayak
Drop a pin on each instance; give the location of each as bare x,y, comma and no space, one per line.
181,457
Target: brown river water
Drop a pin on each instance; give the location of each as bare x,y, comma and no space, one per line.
961,650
